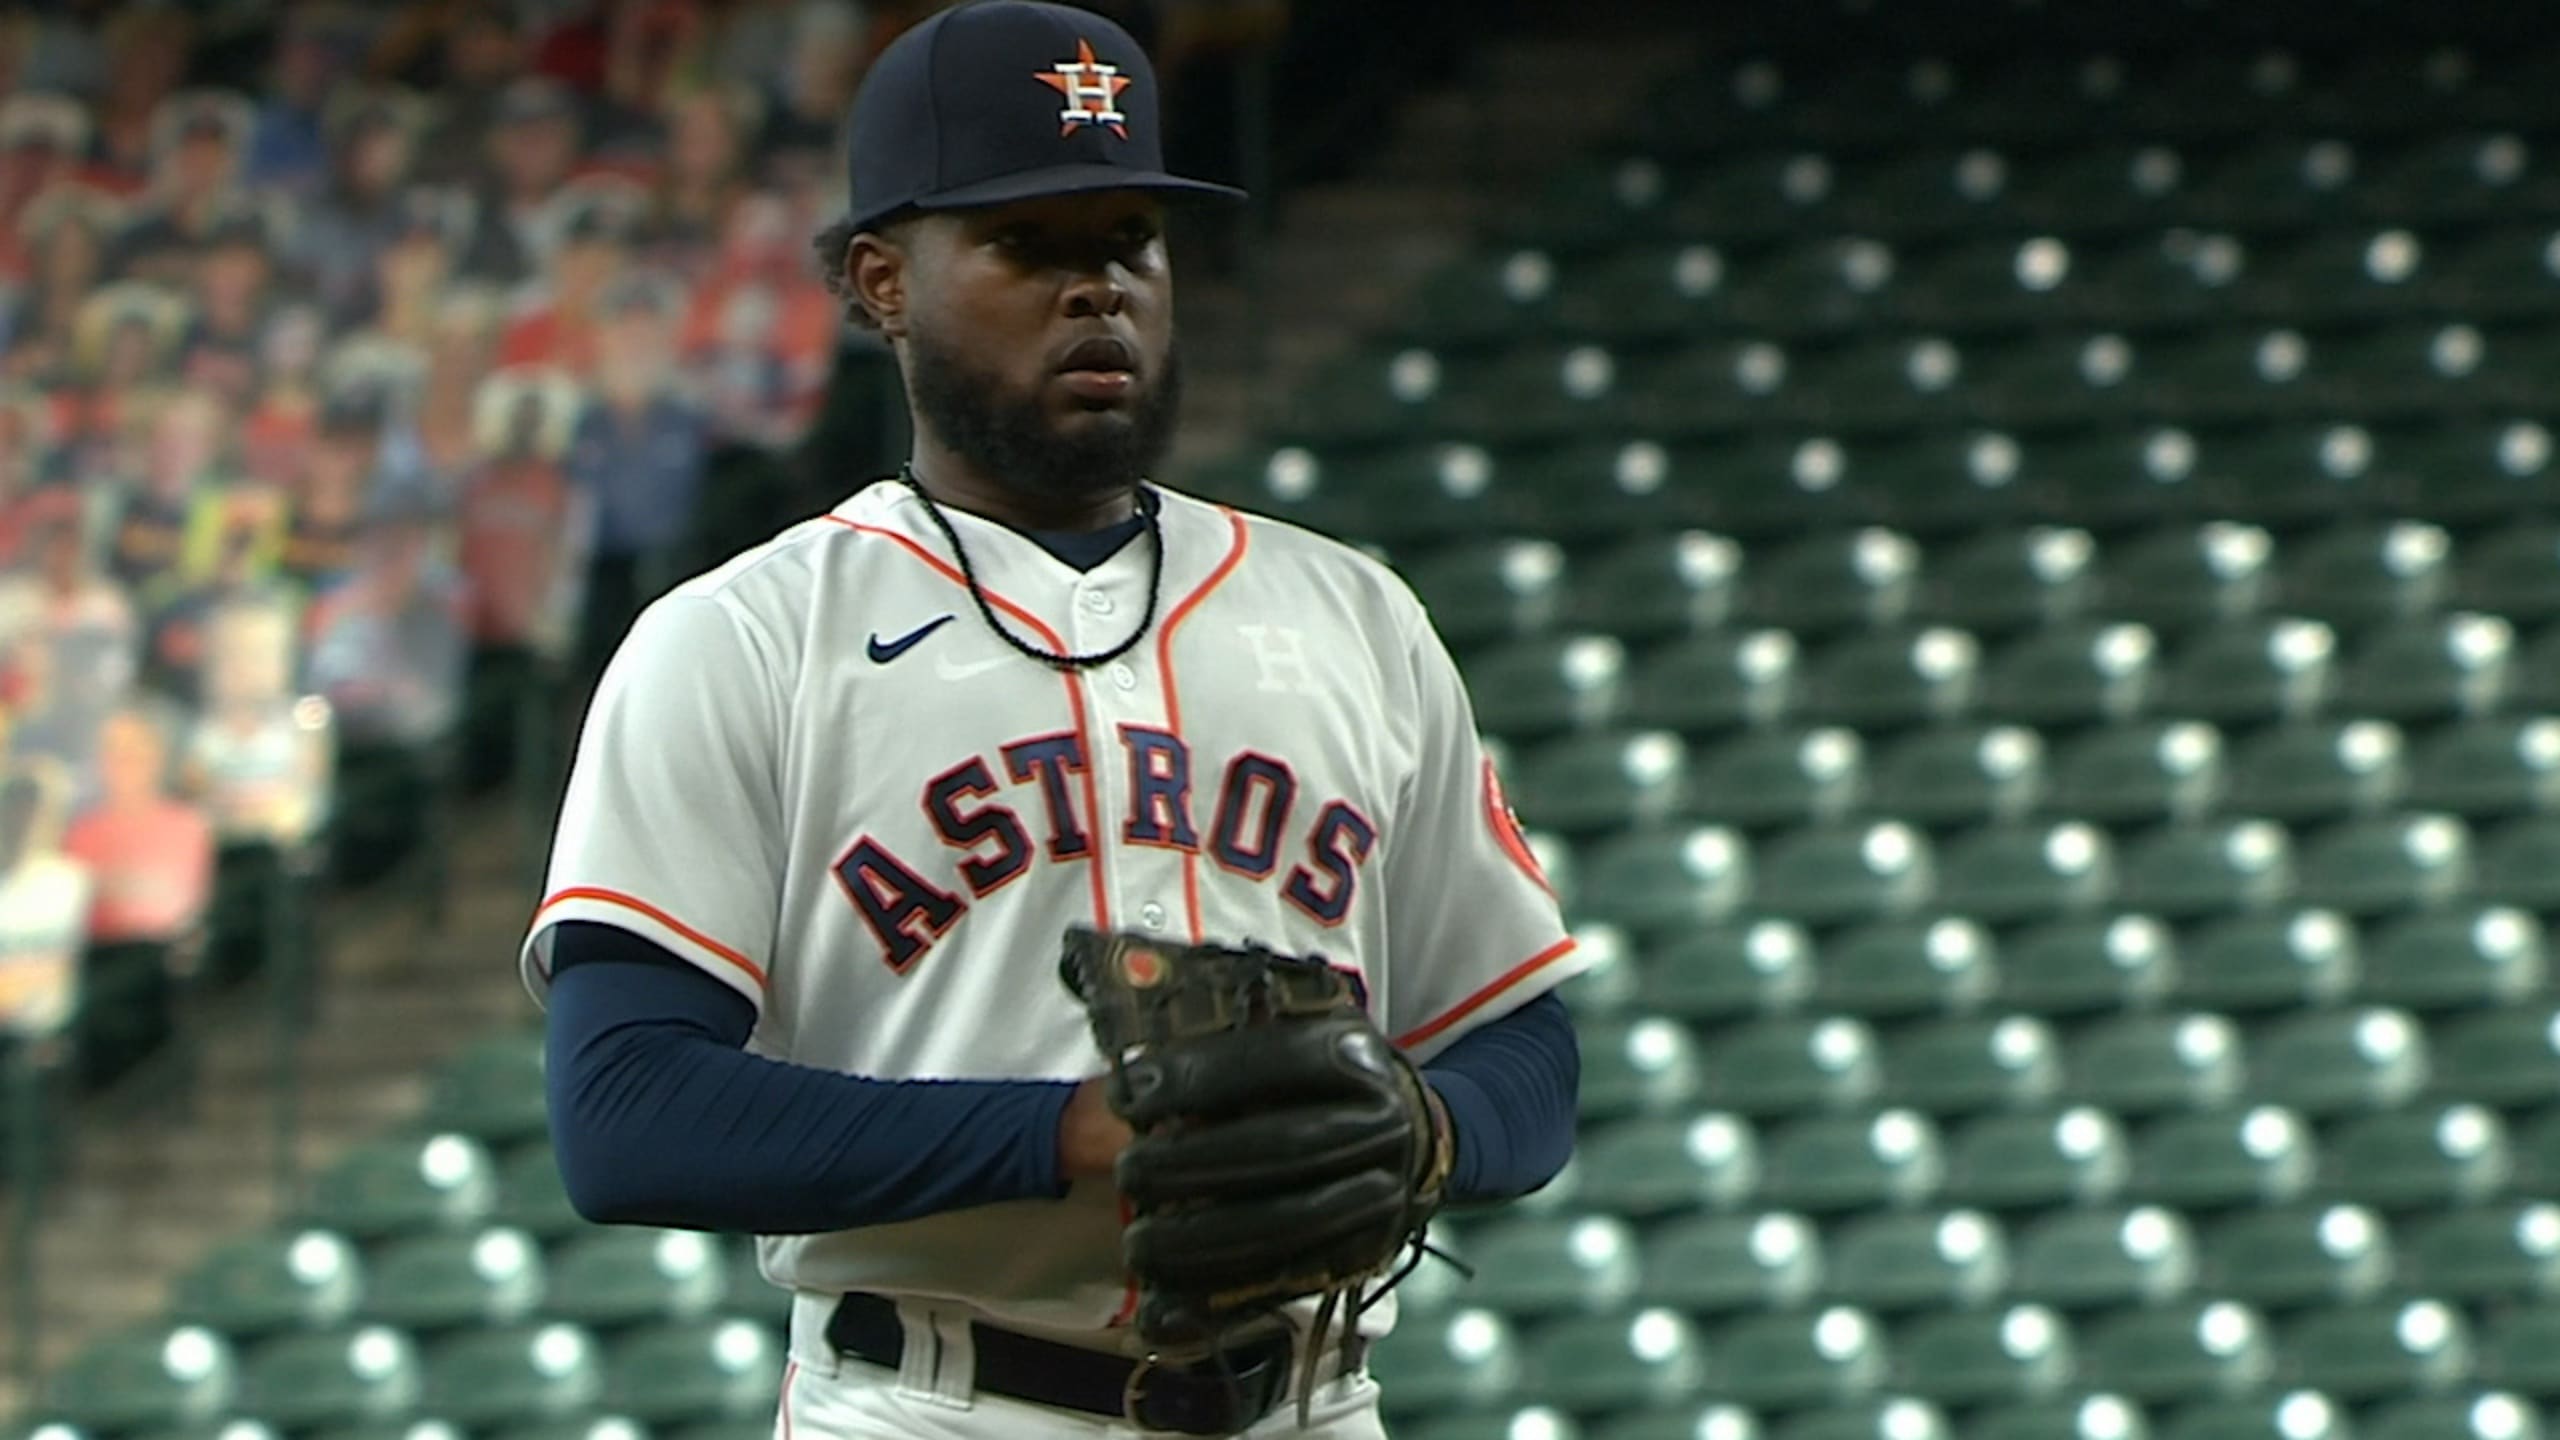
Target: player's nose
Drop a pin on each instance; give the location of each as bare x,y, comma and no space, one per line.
1094,292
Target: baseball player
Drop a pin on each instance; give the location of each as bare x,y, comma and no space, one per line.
840,803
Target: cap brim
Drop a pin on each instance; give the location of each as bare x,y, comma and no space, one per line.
1058,180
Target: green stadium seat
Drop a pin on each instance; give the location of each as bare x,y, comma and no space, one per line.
2139,771
1716,681
2512,572
530,1195
492,1091
1470,1361
1878,382
2113,480
2492,767
2015,871
2184,1350
2098,1416
1713,1264
2331,1062
2082,672
1594,205
1786,1065
1371,396
1641,1066
446,1280
2475,471
383,1187
2264,1155
2037,1158
1785,776
2008,580
1653,1358
2378,1349
1612,983
1864,577
2214,866
1821,285
1945,482
1646,292
2455,958
2046,381
2286,1257
1984,1354
2236,372
151,1376
2448,1154
2094,1258
1593,492
259,1284
580,1427
1973,1063
1724,972
2310,770
1653,881
1710,385
2434,668
1530,1422
2364,573
691,1370
513,1373
409,1427
1483,299
2177,274
1796,1359
2251,671
1398,494
2521,1349
1607,780
1917,1260
2518,863
2421,368
2272,960
2189,577
2088,964
1894,678
1839,874
1661,1165
2467,1415
1549,1265
2487,1253
2146,1063
1653,585
1898,968
1543,686
1825,1164
2349,274
1957,775
625,1275
1478,591
1999,283
2297,1414
330,1378
2504,1057
1896,1417
1715,1420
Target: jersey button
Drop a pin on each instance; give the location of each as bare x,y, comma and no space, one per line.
1124,677
1151,915
1097,603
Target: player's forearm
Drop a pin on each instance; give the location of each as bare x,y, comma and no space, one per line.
1510,1088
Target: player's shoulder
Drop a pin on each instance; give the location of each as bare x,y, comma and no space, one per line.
1294,554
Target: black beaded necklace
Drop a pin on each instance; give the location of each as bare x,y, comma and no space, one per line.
968,574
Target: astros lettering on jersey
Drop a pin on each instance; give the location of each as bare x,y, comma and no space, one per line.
814,773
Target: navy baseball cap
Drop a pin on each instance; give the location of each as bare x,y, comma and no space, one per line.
994,101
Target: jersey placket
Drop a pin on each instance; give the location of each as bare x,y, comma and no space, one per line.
1133,738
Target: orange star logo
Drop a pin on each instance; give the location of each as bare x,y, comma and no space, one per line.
1092,90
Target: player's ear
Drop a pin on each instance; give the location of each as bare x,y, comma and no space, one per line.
876,271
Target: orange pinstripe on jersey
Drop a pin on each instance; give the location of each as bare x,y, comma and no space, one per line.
1486,996
642,907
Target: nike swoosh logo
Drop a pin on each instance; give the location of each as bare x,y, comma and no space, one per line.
882,653
944,668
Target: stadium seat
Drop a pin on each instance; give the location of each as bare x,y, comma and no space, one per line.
2296,1414
1652,881
1712,385
1723,972
1399,494
2521,1349
2010,872
2455,958
2099,1416
2251,671
2512,572
626,1275
2476,471
1917,1260
1893,679
331,1378
2143,1064
1593,492
2285,1257
2518,863
150,1376
2184,1350
1611,984
1646,292
1549,1265
2433,668
1645,1065
1716,680
1839,874
2112,480
2214,866
2378,1349
2089,964
392,1185
1785,1065
1948,482
1529,1422
1890,969
1866,577
513,1373
2188,577
1469,1361
2237,372
1660,1165
1781,776
1823,284
2007,580
2271,960
2047,381
2263,1155
2094,1258
1712,1264
2427,1155
530,1196
1483,299
2077,673
2489,768
1985,1354
1995,283
1797,1359
2487,1253
1715,1419
447,1280
260,1284
1606,780
1958,775
2464,1415
1651,586
1826,1164
2365,573
1534,688
2037,1158
2331,1062
2139,771
1478,591
693,1370
1653,1358
1889,1417
2313,770
492,1091
2508,1056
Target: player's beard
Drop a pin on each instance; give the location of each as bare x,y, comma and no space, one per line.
1012,440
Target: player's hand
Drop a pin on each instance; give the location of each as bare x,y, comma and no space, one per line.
1090,1137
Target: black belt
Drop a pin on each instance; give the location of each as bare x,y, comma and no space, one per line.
1199,1399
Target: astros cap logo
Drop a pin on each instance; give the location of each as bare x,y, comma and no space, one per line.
1092,90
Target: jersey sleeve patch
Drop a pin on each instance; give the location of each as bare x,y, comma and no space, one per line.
1507,832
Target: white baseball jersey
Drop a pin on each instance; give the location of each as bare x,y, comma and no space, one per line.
814,773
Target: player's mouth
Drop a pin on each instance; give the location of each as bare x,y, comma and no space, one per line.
1099,370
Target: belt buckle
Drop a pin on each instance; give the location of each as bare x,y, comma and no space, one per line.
1133,1391
1134,1407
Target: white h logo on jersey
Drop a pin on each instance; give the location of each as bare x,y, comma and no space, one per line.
1280,651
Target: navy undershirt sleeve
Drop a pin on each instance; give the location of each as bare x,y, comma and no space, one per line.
1510,1088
